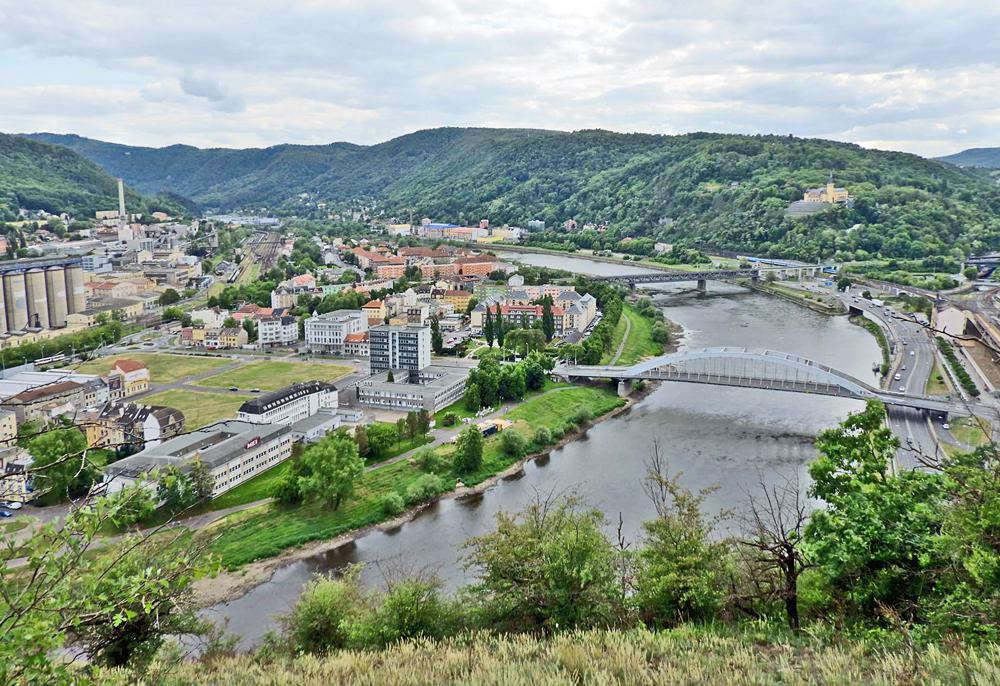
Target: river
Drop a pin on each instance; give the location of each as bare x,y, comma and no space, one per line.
729,438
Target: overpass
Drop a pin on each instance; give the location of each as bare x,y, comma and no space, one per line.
704,275
758,368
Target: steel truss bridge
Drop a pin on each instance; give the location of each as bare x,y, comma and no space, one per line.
758,368
674,276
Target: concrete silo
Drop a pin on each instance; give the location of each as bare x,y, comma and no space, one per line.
15,300
55,288
38,309
76,300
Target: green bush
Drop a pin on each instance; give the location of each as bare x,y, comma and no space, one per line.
558,434
411,609
317,623
542,436
424,488
449,419
429,461
956,367
392,503
513,443
580,417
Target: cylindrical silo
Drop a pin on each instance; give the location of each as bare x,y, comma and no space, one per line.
38,309
55,288
3,311
76,300
14,298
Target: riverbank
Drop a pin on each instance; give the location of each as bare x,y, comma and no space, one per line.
883,344
228,585
800,297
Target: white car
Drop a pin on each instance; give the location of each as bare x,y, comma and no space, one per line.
913,352
902,389
945,426
13,505
898,377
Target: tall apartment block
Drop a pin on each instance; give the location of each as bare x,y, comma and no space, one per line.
399,347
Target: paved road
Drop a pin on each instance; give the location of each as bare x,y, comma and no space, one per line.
621,346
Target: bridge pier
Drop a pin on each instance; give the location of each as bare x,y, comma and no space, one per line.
624,388
702,286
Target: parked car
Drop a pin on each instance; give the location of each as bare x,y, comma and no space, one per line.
6,513
12,505
234,388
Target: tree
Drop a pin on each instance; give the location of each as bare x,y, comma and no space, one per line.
390,378
333,464
843,283
63,467
549,567
380,438
174,490
287,490
473,403
437,341
202,481
682,571
534,374
169,297
230,323
251,328
401,429
876,530
469,450
361,438
488,331
423,422
660,333
412,425
773,527
499,326
548,320
514,443
131,506
970,273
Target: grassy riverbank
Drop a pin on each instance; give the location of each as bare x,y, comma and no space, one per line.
637,333
267,530
879,335
814,301
685,655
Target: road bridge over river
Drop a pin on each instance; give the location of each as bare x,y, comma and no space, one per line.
759,368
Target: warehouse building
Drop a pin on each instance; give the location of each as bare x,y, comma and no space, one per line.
232,451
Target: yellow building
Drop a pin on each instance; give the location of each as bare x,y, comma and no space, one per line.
126,378
827,194
235,337
458,298
8,428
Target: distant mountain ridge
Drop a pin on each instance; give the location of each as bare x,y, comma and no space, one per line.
39,176
974,157
719,190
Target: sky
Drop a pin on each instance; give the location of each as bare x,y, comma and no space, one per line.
920,76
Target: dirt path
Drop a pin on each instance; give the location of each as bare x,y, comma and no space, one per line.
621,346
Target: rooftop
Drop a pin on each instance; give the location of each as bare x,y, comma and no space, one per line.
269,401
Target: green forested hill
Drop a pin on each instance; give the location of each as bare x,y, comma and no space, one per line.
975,157
38,176
719,190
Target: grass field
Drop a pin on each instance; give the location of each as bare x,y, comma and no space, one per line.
163,367
616,338
968,431
199,408
639,345
272,375
937,383
266,531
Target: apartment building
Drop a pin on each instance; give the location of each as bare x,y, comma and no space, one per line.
325,333
276,331
289,405
399,347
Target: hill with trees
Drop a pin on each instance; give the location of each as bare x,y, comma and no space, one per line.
718,191
38,176
975,157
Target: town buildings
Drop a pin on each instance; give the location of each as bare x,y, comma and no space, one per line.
326,333
289,405
126,378
399,347
431,388
121,423
276,331
827,194
232,451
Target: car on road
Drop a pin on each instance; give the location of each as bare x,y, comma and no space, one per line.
898,377
902,389
903,367
12,505
255,390
913,352
234,388
946,426
6,513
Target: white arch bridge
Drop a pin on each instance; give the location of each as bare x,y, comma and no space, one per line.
758,368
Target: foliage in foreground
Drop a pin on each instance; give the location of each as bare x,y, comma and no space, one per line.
640,657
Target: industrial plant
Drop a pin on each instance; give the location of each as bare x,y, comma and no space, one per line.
39,293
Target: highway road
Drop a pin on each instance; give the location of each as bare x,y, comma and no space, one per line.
916,348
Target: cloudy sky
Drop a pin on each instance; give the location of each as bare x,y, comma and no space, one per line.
919,75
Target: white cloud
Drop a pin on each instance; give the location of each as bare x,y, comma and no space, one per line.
916,75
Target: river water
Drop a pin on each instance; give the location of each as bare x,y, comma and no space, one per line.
730,438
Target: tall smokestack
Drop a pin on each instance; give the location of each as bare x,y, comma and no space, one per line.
121,200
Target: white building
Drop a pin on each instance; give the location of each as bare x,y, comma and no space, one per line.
399,347
289,405
325,333
273,331
232,451
211,317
